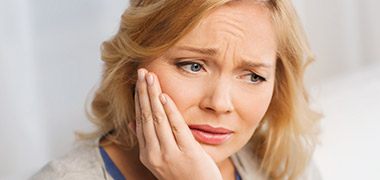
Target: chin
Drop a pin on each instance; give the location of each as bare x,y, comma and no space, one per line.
218,153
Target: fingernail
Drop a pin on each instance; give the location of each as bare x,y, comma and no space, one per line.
149,79
163,99
140,73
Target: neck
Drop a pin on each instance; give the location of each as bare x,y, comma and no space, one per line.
124,158
227,169
128,162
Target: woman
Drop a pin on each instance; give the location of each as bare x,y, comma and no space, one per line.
208,89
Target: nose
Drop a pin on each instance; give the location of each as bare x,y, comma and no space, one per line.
217,98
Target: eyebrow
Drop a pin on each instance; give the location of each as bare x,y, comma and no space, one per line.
246,63
213,52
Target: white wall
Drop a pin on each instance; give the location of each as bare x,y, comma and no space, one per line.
49,62
345,36
351,128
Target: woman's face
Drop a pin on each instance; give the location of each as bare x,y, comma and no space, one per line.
221,75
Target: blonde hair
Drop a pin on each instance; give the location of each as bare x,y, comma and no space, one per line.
285,139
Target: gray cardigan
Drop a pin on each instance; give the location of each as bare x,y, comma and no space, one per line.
85,162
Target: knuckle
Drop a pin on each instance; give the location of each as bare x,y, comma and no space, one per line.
158,118
154,161
146,117
138,123
137,120
167,158
175,129
150,160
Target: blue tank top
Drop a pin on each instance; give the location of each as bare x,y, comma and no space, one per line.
115,172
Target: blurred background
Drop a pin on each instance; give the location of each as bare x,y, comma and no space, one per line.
49,62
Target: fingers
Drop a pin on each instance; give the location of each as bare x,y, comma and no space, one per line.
147,131
181,131
159,124
139,133
160,120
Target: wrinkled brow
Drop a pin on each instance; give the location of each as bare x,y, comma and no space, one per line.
213,52
205,51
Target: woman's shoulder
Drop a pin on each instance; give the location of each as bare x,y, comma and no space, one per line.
246,164
82,162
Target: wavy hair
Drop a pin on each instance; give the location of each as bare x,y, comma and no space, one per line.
286,137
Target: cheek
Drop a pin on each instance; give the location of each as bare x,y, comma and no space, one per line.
183,91
251,112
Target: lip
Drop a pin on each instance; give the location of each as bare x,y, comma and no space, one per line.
210,129
210,135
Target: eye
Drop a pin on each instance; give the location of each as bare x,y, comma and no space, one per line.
189,66
254,78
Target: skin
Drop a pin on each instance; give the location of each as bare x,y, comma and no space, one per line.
221,74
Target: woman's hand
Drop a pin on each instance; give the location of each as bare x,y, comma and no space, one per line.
167,147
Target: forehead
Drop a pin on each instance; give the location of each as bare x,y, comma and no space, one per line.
246,25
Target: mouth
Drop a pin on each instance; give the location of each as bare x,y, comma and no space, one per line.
210,135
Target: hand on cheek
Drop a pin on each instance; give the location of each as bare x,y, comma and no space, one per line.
167,147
